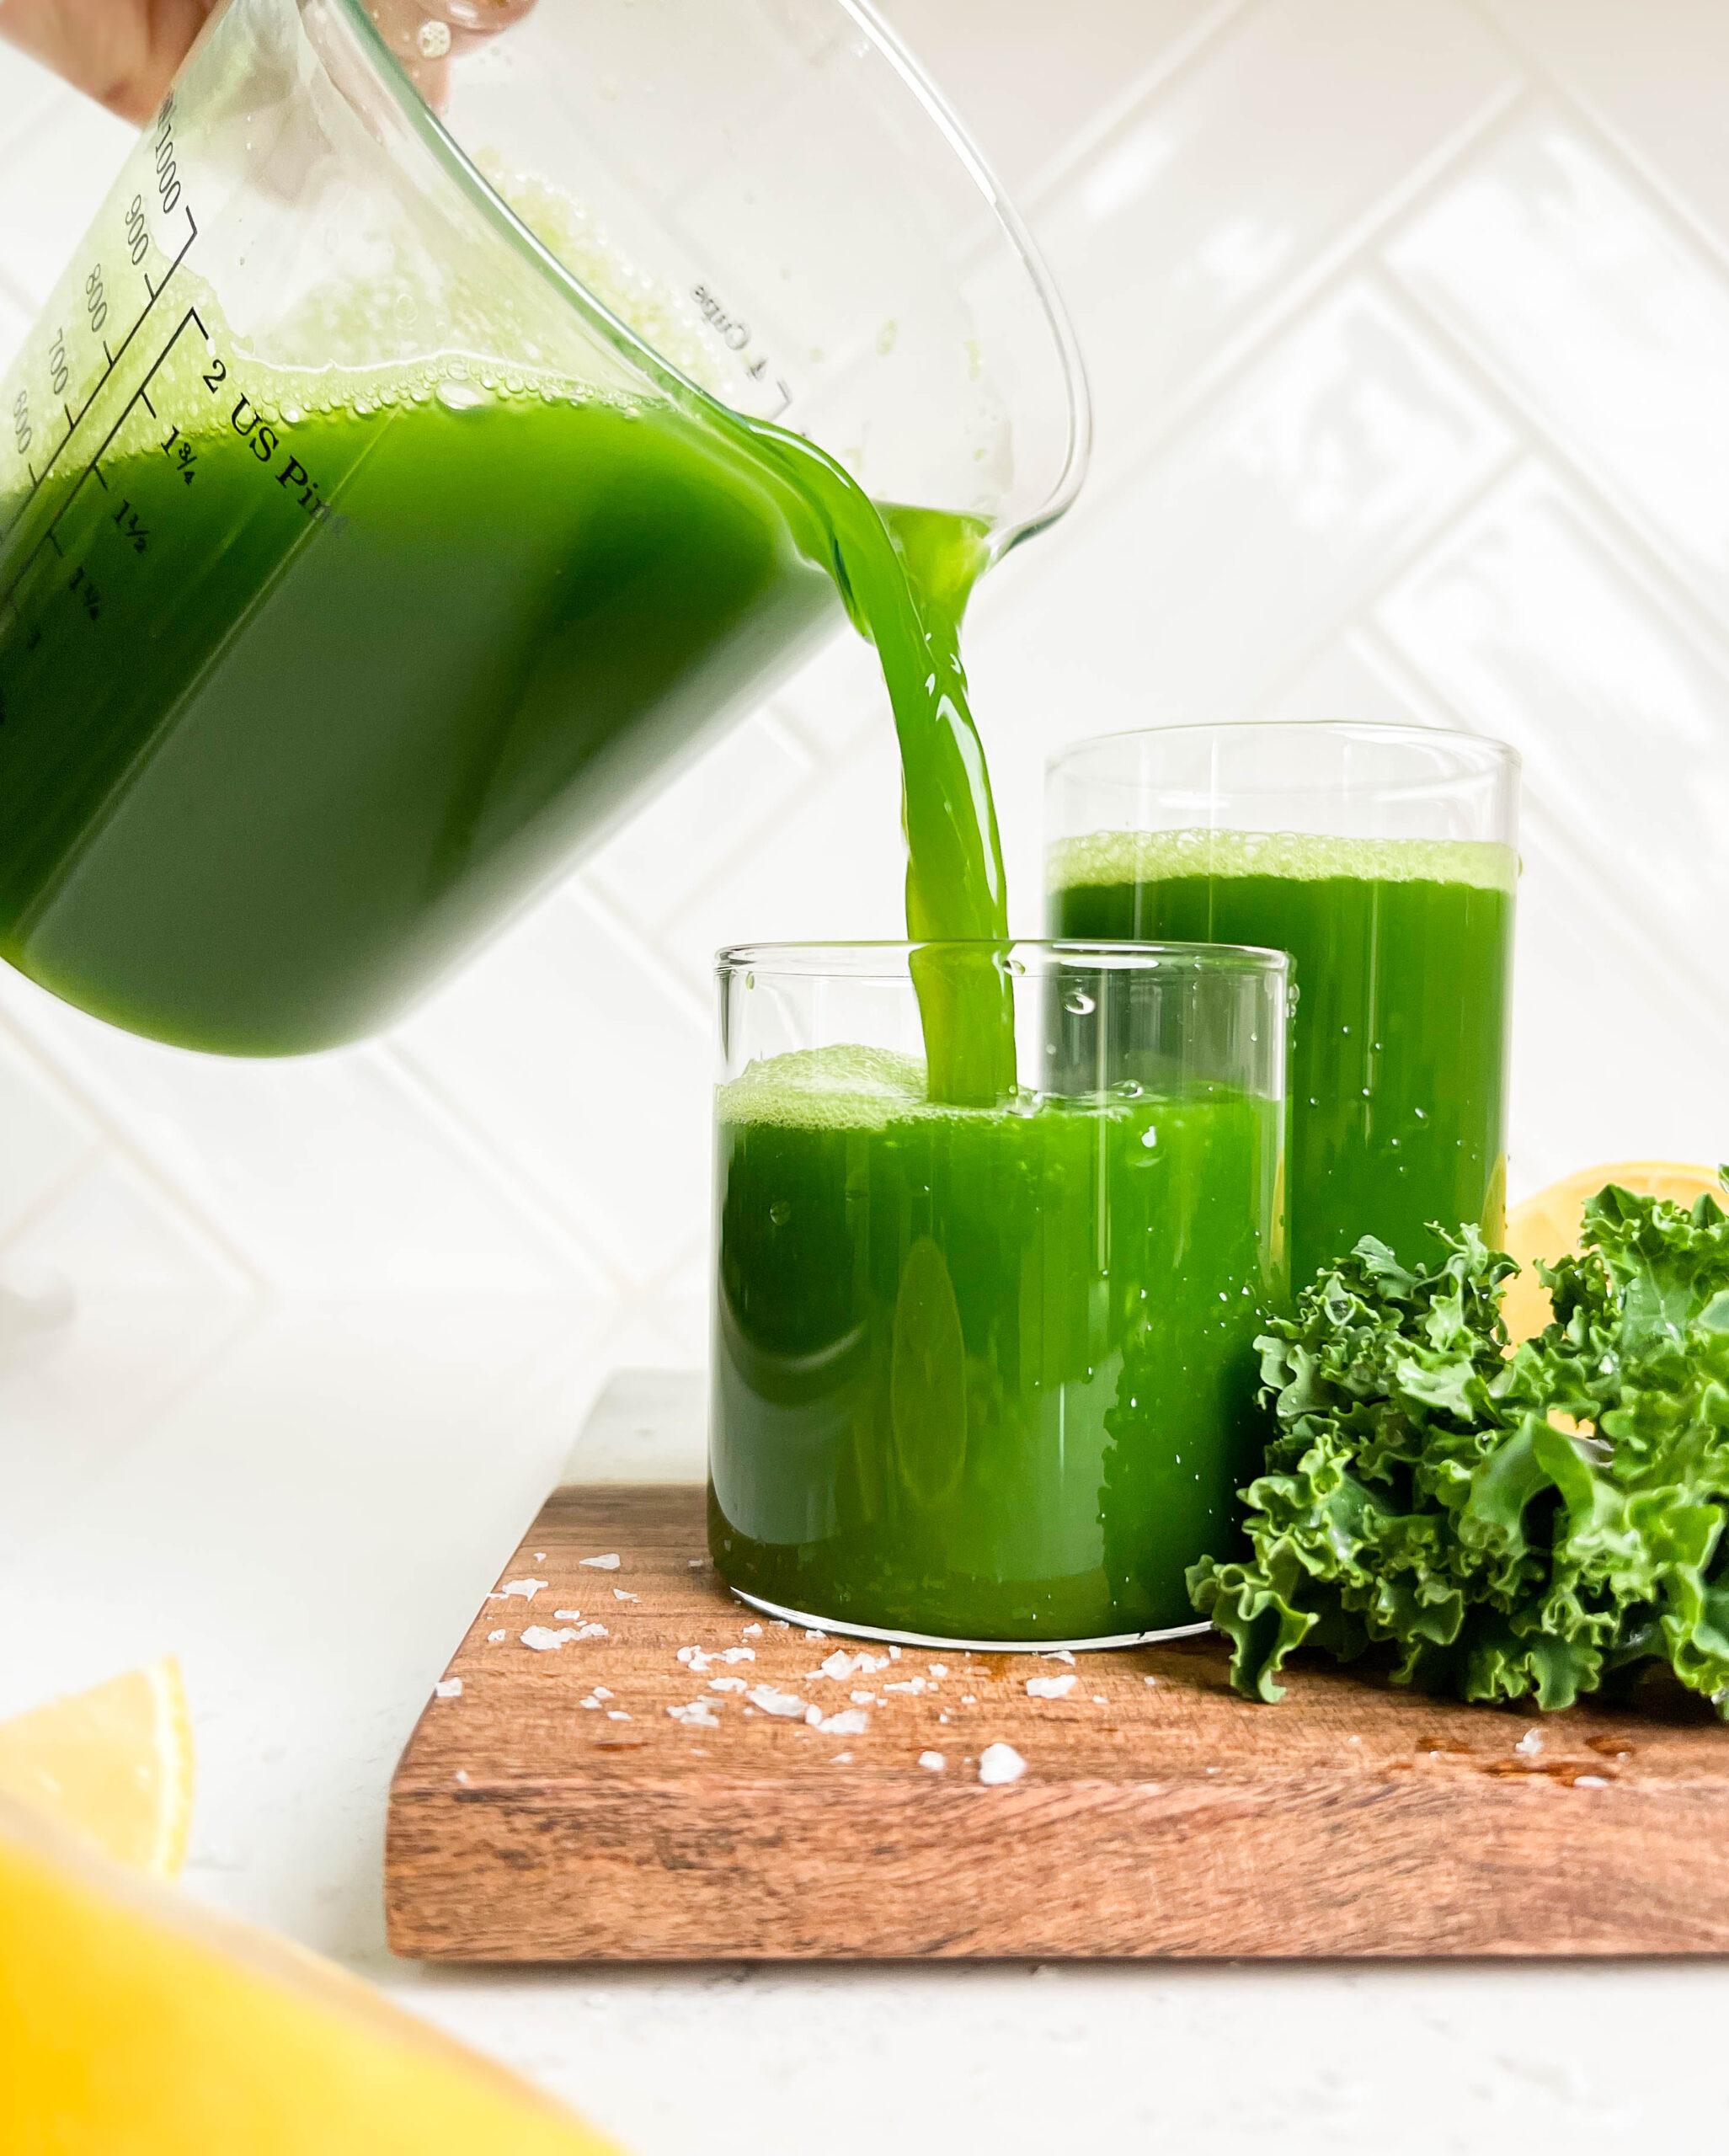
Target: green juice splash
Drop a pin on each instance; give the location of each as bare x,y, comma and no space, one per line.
1404,956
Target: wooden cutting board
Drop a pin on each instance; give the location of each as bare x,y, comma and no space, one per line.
1156,1814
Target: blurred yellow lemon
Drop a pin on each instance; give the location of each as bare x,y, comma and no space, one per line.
135,2023
1547,1226
114,1763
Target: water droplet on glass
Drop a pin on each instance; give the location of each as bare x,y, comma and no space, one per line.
433,40
460,396
780,1214
1078,1002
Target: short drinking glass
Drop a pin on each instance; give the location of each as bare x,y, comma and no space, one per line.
986,1374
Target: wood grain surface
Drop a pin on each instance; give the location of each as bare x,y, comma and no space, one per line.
1157,1814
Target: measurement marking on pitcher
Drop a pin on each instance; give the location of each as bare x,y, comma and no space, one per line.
72,424
51,533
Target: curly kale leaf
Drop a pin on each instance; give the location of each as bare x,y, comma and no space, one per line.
1514,1525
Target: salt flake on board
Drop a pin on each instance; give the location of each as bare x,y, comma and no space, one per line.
543,1639
934,1760
786,1704
727,1684
999,1763
622,1594
696,1716
569,1616
1049,1688
528,1589
850,1721
493,1638
448,1688
1530,1744
609,1563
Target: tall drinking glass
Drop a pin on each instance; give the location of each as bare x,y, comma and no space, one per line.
987,1374
1382,858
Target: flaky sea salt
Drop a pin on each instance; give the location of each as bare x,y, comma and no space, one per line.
617,1714
753,1631
1530,1744
934,1760
999,1763
1591,1781
448,1688
592,1701
460,1775
909,1684
609,1563
862,1698
528,1589
850,1721
697,1658
840,1665
696,1716
1057,1654
1049,1688
622,1594
939,1669
726,1684
772,1702
569,1616
543,1639
493,1638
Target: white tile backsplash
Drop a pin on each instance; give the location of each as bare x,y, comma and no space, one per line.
1210,199
1409,320
1609,326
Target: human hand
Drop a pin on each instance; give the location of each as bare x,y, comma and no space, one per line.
125,53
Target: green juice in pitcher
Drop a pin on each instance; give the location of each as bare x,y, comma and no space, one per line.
1403,951
394,658
983,1374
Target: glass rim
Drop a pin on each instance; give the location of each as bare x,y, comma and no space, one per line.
873,959
1480,755
485,199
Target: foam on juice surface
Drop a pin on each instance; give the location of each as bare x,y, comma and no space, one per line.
842,1088
1111,857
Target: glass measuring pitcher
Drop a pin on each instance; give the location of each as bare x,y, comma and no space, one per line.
381,510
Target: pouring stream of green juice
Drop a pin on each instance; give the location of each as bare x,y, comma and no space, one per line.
359,557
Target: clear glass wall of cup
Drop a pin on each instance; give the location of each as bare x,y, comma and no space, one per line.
986,1374
384,505
1383,859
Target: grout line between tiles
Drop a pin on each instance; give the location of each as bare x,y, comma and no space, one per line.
514,1181
1582,110
1308,290
1184,51
1698,990
1623,531
194,1221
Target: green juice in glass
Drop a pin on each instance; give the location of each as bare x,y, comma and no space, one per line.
983,1374
1403,951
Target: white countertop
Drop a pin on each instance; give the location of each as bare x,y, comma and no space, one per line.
305,1505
